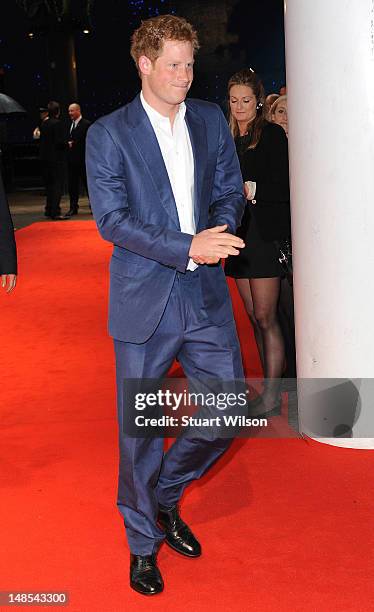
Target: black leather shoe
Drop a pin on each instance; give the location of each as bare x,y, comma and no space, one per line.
178,535
145,577
58,218
70,213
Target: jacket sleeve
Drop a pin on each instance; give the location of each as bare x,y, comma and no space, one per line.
8,252
228,202
109,200
276,187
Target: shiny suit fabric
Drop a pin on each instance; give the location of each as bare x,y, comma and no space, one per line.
157,309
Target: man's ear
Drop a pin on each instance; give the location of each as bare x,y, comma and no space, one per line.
145,64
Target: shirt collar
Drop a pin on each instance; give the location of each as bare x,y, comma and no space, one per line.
156,118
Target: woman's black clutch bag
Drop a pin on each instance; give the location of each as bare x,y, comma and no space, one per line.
284,249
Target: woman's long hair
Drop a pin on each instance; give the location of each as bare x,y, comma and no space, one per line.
249,79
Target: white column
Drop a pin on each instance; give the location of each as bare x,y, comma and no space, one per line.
330,86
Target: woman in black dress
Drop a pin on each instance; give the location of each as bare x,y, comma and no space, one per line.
279,115
263,153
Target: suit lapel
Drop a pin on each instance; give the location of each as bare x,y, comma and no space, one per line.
146,142
197,131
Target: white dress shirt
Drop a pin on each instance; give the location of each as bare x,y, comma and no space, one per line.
176,149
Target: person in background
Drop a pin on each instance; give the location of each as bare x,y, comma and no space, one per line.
270,99
76,156
43,114
278,112
263,153
52,155
8,250
283,90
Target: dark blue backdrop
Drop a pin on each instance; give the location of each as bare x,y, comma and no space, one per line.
234,34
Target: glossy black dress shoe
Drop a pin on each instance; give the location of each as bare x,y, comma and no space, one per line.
177,534
145,577
58,218
70,213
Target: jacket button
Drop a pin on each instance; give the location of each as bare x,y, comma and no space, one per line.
254,201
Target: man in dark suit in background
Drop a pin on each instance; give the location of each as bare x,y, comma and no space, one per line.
8,252
76,156
52,155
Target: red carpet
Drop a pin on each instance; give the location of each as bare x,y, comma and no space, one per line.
286,525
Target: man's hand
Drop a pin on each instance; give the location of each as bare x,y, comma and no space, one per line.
9,281
211,245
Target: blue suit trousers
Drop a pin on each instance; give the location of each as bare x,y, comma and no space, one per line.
148,476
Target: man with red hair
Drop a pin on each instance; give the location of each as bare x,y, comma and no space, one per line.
166,189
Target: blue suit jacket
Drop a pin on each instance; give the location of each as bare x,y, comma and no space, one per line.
134,208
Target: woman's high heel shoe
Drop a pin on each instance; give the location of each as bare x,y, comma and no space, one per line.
257,409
